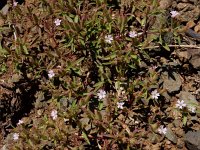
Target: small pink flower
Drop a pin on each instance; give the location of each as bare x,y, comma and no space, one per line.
51,74
15,136
155,94
180,104
54,114
174,13
162,130
133,34
120,105
15,4
101,94
108,39
57,22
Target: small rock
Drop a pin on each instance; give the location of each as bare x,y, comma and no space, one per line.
179,132
16,77
4,148
177,122
197,28
192,140
172,83
85,123
183,54
194,55
5,9
166,95
190,24
180,144
181,6
164,4
171,136
189,15
194,1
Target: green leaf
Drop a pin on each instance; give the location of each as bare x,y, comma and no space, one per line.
69,19
3,51
134,56
98,85
166,47
122,24
85,137
78,61
100,106
109,57
160,40
54,54
76,19
25,50
143,22
184,120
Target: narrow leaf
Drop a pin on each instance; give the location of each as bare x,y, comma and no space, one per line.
85,137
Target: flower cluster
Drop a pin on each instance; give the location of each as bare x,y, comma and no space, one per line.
181,104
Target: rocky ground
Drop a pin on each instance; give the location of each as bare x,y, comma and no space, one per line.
184,68
179,74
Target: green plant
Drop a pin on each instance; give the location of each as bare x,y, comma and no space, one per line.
83,64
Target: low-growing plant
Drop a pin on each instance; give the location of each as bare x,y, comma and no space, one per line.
87,62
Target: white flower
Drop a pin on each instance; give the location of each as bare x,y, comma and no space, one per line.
15,136
155,94
54,114
20,122
57,22
15,4
174,14
108,39
120,105
101,94
192,109
162,130
180,104
51,74
133,34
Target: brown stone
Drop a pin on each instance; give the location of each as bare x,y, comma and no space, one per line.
197,28
194,56
164,4
181,6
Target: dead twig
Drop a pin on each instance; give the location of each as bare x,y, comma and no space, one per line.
182,46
